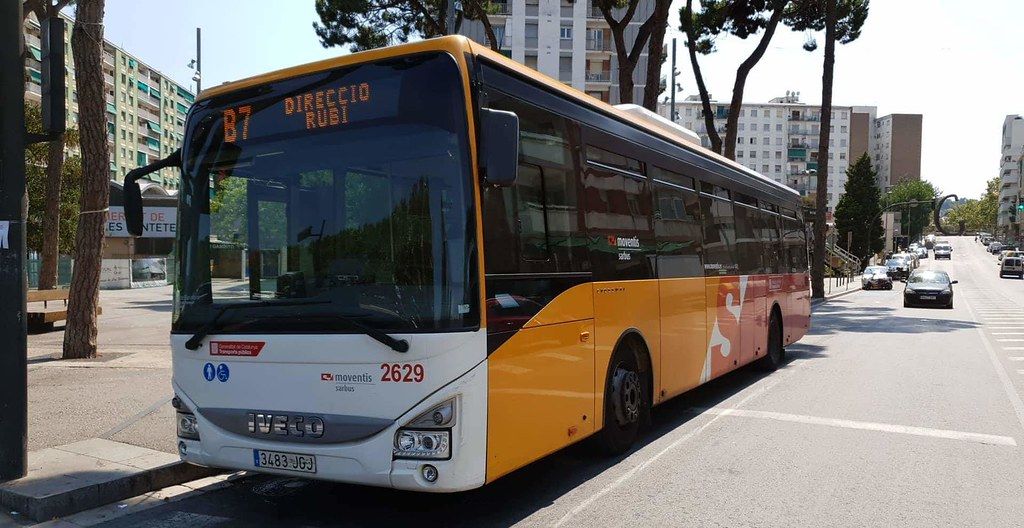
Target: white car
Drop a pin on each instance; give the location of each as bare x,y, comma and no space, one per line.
943,251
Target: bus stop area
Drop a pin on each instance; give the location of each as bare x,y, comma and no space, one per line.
101,430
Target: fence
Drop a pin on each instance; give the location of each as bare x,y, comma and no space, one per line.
114,273
64,264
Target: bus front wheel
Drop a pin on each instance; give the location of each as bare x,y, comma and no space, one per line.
626,397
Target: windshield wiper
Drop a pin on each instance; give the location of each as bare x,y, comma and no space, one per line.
197,338
398,345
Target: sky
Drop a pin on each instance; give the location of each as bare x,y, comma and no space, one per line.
961,67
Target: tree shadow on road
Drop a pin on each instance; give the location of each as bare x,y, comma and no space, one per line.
839,316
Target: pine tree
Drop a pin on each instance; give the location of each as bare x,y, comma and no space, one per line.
859,210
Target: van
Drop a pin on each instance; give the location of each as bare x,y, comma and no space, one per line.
1012,266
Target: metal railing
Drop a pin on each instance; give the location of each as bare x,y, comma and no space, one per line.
501,8
598,45
603,76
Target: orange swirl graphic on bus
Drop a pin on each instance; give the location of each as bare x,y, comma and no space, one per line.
725,330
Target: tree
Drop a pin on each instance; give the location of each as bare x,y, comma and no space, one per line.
44,9
914,217
627,57
859,211
368,24
656,56
980,214
732,17
42,226
87,51
842,21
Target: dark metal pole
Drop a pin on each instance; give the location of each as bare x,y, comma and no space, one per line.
13,353
672,84
199,61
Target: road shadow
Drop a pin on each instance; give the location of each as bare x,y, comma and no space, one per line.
841,316
264,500
155,306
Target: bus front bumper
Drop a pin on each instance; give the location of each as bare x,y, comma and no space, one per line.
369,461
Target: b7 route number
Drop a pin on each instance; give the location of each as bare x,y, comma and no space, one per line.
402,372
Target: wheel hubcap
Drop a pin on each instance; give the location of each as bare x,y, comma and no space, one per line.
626,395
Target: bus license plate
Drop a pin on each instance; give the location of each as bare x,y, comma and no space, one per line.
927,297
285,461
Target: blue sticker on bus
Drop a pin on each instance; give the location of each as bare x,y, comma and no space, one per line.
209,372
222,372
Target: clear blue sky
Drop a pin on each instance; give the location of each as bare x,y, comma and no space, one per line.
960,64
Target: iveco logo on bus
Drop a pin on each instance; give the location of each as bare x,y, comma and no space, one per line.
286,425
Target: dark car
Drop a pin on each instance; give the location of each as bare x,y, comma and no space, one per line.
898,268
876,277
928,288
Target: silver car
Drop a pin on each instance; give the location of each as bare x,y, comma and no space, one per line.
876,278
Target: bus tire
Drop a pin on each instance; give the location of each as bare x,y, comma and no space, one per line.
626,400
775,354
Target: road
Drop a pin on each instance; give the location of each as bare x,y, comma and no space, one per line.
883,416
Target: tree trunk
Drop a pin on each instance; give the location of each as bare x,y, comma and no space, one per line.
656,56
705,97
51,217
741,81
627,58
492,39
821,199
87,49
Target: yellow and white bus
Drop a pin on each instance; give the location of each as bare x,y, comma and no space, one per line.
426,266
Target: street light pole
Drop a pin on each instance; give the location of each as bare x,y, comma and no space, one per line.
199,60
13,281
672,84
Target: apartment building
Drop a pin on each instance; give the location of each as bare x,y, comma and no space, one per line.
896,154
1011,157
568,41
780,139
145,109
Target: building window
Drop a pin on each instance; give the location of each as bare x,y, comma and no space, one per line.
753,112
766,127
842,155
743,126
739,153
689,111
739,140
765,154
778,112
753,141
778,141
766,141
842,129
753,153
764,168
778,127
565,33
778,168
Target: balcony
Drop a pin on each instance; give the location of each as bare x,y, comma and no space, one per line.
598,45
599,76
500,8
804,117
594,13
147,115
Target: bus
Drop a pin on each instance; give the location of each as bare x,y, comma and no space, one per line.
426,266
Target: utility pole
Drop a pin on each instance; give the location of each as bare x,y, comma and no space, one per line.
199,60
13,281
672,84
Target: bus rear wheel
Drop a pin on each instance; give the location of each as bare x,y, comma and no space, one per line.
625,402
776,353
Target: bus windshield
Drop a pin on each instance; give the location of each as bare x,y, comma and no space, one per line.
349,188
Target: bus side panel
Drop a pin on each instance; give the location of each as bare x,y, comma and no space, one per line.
753,321
621,306
725,302
799,320
540,384
683,334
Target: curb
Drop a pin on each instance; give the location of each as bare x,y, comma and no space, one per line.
44,507
816,302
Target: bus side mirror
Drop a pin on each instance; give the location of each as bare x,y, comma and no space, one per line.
133,207
499,146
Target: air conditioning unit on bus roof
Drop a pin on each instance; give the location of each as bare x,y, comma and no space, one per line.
661,123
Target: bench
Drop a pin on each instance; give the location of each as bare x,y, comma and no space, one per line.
41,320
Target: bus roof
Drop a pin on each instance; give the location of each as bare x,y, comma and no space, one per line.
458,46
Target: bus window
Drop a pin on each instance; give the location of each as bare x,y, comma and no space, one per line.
677,230
768,235
748,247
619,218
719,231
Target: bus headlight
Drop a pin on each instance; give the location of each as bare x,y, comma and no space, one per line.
428,436
424,445
187,426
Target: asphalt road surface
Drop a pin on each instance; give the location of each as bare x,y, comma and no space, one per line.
883,416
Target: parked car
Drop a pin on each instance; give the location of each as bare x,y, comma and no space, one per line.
943,251
1007,253
876,277
994,247
922,253
911,259
1012,265
928,288
929,242
897,268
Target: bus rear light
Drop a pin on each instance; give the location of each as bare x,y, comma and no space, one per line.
187,426
425,445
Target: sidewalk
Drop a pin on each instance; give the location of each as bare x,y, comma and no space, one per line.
101,429
836,287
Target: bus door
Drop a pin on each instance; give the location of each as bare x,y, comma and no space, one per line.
267,215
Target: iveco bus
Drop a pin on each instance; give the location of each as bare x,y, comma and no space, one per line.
426,266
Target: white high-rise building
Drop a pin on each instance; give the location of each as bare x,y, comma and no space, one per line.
780,140
568,41
1009,169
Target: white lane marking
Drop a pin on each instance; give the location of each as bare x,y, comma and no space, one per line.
1017,358
654,458
1009,340
1007,333
1013,348
1015,327
1004,377
980,438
